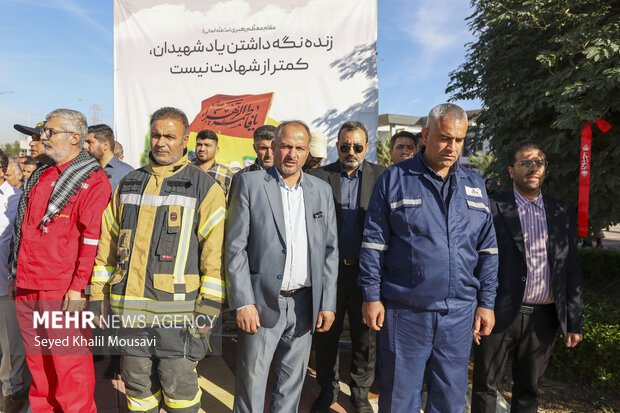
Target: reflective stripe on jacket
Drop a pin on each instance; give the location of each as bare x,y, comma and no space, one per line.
61,257
415,254
161,243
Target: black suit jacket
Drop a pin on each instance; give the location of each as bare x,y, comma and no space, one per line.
331,174
561,254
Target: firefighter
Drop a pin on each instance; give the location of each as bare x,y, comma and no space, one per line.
160,257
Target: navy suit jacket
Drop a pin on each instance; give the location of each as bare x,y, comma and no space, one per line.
561,254
331,174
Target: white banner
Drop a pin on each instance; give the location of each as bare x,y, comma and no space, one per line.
232,66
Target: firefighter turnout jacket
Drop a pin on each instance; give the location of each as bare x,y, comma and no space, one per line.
160,250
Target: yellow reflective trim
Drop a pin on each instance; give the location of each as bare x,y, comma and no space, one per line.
112,224
151,303
101,274
212,221
209,286
104,268
141,405
183,247
137,305
214,280
212,293
180,404
128,297
215,291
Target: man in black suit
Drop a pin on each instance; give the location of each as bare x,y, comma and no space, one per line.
352,179
539,285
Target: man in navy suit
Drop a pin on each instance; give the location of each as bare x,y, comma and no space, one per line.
539,285
351,178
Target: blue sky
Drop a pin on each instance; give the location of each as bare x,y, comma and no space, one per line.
59,53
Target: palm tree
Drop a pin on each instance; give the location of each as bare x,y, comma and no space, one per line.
383,153
482,161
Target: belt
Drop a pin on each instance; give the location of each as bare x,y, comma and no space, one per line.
533,308
290,293
350,261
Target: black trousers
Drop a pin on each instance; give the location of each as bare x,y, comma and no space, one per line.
362,339
529,342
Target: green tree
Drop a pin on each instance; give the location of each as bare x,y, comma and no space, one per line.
11,149
542,70
144,156
383,153
482,161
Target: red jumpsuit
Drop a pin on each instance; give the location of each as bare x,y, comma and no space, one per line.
49,264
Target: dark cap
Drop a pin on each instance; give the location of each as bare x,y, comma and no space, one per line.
37,130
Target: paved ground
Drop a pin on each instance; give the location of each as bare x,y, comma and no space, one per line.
217,381
216,375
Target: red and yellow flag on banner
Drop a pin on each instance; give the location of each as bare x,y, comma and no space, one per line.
234,119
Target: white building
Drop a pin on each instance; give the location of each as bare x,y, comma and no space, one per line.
24,146
390,123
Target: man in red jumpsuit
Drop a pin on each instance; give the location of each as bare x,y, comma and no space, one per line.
53,249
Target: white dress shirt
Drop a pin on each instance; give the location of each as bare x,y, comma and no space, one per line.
297,265
9,199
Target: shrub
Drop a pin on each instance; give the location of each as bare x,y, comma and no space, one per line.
597,359
599,265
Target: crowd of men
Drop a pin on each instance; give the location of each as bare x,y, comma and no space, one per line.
417,255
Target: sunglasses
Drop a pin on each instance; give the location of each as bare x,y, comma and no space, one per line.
539,163
346,147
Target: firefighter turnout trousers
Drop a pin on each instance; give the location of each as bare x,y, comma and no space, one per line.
152,382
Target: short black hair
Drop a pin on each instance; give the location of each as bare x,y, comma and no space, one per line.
30,161
206,134
522,146
103,133
405,134
171,113
351,125
4,160
265,132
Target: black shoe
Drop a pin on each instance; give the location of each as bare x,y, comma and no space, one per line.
359,398
324,401
11,405
114,369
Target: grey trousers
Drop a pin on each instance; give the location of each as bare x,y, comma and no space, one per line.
148,380
288,345
14,374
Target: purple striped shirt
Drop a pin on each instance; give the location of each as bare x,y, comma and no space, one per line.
536,237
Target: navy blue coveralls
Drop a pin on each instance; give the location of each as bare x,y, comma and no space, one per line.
429,253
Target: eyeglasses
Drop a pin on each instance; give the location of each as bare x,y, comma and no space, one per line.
539,163
49,132
346,147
